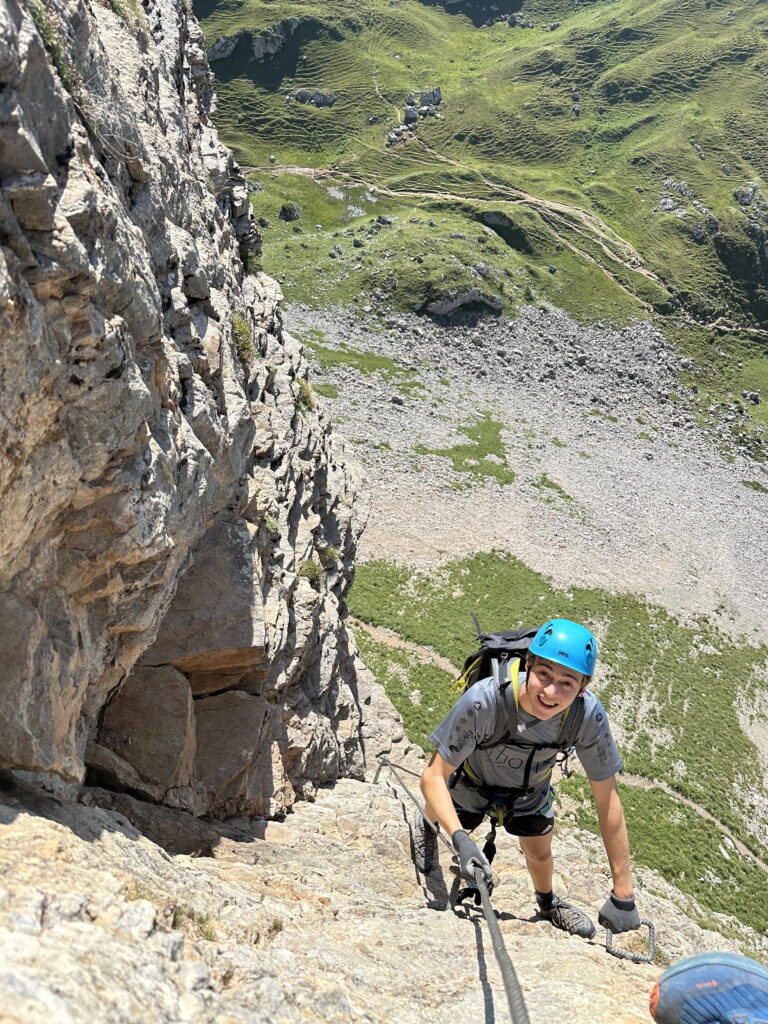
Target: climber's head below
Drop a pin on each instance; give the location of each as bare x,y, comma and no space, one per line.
715,988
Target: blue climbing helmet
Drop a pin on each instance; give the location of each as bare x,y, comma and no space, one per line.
567,643
711,987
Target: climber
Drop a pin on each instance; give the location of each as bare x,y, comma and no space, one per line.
508,778
712,988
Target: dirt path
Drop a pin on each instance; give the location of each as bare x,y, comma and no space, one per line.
631,259
642,783
559,216
564,215
383,98
391,639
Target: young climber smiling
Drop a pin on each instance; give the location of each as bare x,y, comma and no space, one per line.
549,688
478,771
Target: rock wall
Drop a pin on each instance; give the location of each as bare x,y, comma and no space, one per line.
178,522
320,918
264,45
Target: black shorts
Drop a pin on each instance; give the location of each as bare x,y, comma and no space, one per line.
524,825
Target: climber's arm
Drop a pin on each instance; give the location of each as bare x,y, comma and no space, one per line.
613,829
434,786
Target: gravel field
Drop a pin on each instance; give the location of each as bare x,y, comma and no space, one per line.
617,485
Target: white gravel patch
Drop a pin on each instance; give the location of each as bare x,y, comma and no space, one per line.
655,505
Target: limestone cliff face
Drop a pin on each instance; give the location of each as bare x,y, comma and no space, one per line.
178,524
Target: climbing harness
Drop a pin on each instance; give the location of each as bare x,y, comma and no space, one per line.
489,851
517,1010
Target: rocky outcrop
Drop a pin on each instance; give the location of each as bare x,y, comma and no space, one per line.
432,97
679,199
264,45
224,47
754,206
316,97
452,301
271,41
178,521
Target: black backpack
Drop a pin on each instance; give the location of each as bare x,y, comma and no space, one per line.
501,655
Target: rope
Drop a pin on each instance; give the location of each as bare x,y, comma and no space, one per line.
517,1010
400,767
385,762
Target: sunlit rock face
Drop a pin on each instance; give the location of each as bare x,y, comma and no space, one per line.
178,522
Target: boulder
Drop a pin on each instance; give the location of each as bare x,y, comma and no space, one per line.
150,724
745,194
452,301
432,97
215,628
289,212
315,97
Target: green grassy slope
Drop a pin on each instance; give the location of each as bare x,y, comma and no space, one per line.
658,84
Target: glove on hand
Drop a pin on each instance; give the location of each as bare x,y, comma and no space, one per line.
470,857
619,915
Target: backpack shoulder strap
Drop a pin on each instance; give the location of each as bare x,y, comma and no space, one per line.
506,678
572,722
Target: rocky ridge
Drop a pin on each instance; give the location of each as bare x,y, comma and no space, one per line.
321,918
179,522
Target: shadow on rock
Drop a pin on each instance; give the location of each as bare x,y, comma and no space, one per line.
99,811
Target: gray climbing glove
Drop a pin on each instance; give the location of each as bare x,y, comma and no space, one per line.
619,915
470,857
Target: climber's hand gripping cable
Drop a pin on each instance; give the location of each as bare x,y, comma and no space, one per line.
470,857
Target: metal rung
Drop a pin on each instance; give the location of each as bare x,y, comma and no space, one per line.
624,954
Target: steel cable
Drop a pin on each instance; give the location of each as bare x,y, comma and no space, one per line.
517,1009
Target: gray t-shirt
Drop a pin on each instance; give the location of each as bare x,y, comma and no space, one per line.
472,720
